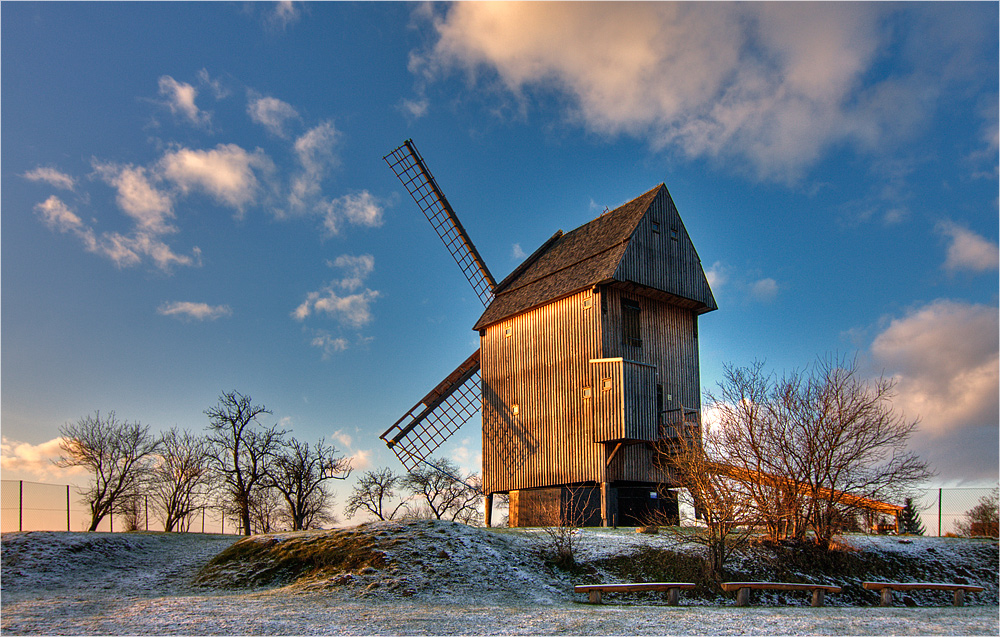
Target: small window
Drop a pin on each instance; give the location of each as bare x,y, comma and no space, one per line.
630,324
656,227
674,234
587,303
607,384
587,392
507,332
514,409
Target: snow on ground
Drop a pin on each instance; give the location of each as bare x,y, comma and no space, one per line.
439,579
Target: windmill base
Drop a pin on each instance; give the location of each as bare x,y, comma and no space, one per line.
583,505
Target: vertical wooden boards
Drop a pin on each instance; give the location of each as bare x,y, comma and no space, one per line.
537,424
624,400
661,255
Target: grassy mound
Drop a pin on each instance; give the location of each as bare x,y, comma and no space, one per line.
282,558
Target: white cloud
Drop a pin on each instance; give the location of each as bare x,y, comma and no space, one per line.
57,216
361,209
772,85
353,310
717,275
415,108
342,437
218,90
271,113
968,250
226,172
52,177
357,269
517,253
138,198
180,99
285,13
764,289
315,152
36,461
194,311
944,356
361,459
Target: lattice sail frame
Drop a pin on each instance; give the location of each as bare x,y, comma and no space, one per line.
409,167
456,399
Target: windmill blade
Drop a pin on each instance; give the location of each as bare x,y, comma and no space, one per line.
433,420
409,167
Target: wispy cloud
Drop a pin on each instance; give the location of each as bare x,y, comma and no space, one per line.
764,289
186,310
315,152
945,359
771,86
359,209
226,173
149,207
180,98
36,461
351,310
516,253
967,250
284,14
52,177
271,113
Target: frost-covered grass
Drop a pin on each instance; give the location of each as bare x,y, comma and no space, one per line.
421,577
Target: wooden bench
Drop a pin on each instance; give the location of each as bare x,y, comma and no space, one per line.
887,587
742,589
673,589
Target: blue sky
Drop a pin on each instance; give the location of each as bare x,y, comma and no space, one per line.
194,199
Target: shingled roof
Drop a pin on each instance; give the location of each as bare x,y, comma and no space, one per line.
570,262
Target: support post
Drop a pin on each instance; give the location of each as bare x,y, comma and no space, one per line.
605,505
743,597
939,512
20,505
818,595
147,512
488,510
67,508
595,596
886,596
959,597
673,596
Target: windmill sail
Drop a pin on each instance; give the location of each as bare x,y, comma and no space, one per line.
409,167
425,427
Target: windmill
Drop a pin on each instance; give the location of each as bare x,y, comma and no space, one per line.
588,356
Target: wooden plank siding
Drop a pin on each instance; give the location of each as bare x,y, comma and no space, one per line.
542,367
665,259
668,343
624,400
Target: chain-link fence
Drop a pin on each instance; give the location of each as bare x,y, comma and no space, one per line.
38,506
941,510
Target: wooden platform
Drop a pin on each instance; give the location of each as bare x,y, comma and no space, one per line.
742,589
672,589
886,588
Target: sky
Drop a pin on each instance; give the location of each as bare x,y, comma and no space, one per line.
194,200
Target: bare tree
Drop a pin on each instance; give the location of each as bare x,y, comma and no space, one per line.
444,492
982,519
814,447
374,492
180,478
241,449
298,472
724,504
117,452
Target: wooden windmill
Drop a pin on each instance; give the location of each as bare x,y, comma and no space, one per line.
588,356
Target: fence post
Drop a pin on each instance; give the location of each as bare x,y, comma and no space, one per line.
202,519
20,505
939,512
67,509
147,512
111,521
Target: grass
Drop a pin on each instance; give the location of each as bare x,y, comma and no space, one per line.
279,560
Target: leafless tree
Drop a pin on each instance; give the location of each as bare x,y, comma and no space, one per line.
241,449
298,472
117,452
982,519
444,493
812,447
180,478
266,512
374,493
724,504
568,511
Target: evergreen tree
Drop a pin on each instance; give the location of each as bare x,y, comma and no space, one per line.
909,519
